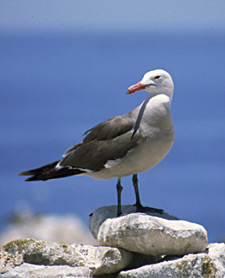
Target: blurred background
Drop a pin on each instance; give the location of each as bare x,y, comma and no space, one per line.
66,65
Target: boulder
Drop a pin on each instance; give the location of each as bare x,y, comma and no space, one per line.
101,214
147,233
98,259
203,265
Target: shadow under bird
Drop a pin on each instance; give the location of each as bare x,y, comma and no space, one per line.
124,145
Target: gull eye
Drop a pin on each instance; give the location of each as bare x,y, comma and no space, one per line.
157,77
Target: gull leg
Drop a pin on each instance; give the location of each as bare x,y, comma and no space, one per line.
119,190
135,184
138,204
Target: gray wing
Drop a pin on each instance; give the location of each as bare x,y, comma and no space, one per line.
110,129
109,140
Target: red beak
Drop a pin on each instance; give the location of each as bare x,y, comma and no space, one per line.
136,87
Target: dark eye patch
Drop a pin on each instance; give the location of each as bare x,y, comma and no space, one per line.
157,76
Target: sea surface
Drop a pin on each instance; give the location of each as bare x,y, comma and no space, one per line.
55,86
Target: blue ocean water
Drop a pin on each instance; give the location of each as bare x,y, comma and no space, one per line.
55,86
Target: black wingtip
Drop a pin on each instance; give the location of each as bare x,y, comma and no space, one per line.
33,178
25,173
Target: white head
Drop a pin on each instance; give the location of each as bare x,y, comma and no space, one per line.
154,82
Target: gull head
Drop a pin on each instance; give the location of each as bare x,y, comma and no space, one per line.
154,82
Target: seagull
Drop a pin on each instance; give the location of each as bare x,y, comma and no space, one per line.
123,145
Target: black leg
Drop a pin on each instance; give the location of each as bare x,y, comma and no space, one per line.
135,184
138,204
119,190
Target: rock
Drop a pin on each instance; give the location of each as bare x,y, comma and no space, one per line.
103,213
66,228
146,234
153,241
210,264
42,259
8,261
40,271
98,259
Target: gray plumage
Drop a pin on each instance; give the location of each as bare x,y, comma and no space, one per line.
123,145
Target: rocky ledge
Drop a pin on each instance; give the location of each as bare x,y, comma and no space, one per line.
135,245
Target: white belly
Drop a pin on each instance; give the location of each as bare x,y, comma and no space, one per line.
143,158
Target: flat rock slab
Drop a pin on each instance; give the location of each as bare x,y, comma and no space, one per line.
103,213
205,265
41,271
98,259
147,234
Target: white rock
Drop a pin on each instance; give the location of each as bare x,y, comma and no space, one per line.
99,259
103,213
146,234
210,264
40,271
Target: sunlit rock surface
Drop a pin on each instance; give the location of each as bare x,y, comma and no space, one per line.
98,259
147,234
40,259
209,264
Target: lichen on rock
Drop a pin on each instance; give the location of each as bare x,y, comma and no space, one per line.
8,261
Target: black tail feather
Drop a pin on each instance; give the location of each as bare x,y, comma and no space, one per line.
49,171
39,170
